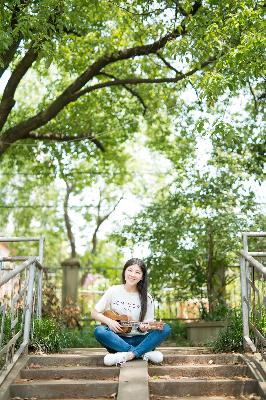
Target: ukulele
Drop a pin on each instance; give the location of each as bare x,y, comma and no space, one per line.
127,324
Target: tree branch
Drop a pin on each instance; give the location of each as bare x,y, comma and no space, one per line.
193,10
73,91
254,97
130,90
10,52
168,64
180,9
70,234
138,81
64,138
100,220
262,96
8,55
8,102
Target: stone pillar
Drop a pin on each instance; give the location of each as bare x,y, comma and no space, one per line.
70,280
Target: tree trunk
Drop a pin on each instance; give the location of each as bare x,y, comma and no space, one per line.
210,268
70,266
70,235
216,279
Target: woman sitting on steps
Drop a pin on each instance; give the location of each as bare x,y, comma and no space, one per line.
131,299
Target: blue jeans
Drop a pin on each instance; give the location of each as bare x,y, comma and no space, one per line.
138,344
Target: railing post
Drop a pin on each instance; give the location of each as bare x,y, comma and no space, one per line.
28,306
40,280
244,299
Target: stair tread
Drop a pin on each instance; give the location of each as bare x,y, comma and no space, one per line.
69,367
205,378
63,381
151,366
154,397
202,366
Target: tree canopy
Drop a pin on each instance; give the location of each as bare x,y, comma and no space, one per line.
80,79
104,63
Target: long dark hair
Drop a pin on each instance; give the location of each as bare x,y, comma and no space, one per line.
141,285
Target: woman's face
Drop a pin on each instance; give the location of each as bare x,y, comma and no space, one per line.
133,275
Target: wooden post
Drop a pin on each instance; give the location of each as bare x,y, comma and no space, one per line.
70,285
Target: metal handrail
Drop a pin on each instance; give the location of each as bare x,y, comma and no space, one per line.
9,275
253,298
259,267
25,281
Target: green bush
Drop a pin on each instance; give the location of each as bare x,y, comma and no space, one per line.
219,312
47,336
8,333
81,338
231,338
178,334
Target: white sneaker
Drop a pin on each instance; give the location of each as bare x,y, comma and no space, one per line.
154,356
115,359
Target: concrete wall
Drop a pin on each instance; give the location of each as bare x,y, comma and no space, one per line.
203,331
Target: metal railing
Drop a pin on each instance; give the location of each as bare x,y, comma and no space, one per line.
20,300
253,294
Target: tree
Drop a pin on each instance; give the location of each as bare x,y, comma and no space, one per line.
192,230
103,53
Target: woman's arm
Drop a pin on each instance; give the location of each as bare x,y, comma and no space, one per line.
112,324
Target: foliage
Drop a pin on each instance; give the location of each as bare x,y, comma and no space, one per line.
81,78
231,338
67,316
47,336
192,230
71,314
120,63
219,312
81,337
107,261
8,332
178,334
50,302
258,319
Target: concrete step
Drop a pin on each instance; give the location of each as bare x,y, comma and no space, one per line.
81,372
66,360
185,350
202,359
249,397
203,387
63,389
210,371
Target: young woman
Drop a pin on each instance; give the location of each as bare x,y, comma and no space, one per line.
131,299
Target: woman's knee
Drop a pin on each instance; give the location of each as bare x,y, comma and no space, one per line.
100,331
166,330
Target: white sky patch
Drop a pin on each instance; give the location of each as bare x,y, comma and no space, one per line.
4,79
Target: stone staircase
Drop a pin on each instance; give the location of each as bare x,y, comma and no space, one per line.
65,376
200,375
192,373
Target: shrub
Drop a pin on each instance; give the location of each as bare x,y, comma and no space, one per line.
47,336
231,338
219,312
81,338
178,332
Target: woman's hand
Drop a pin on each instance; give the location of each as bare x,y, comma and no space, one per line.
114,326
143,327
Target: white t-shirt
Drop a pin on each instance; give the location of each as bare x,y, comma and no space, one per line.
117,299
